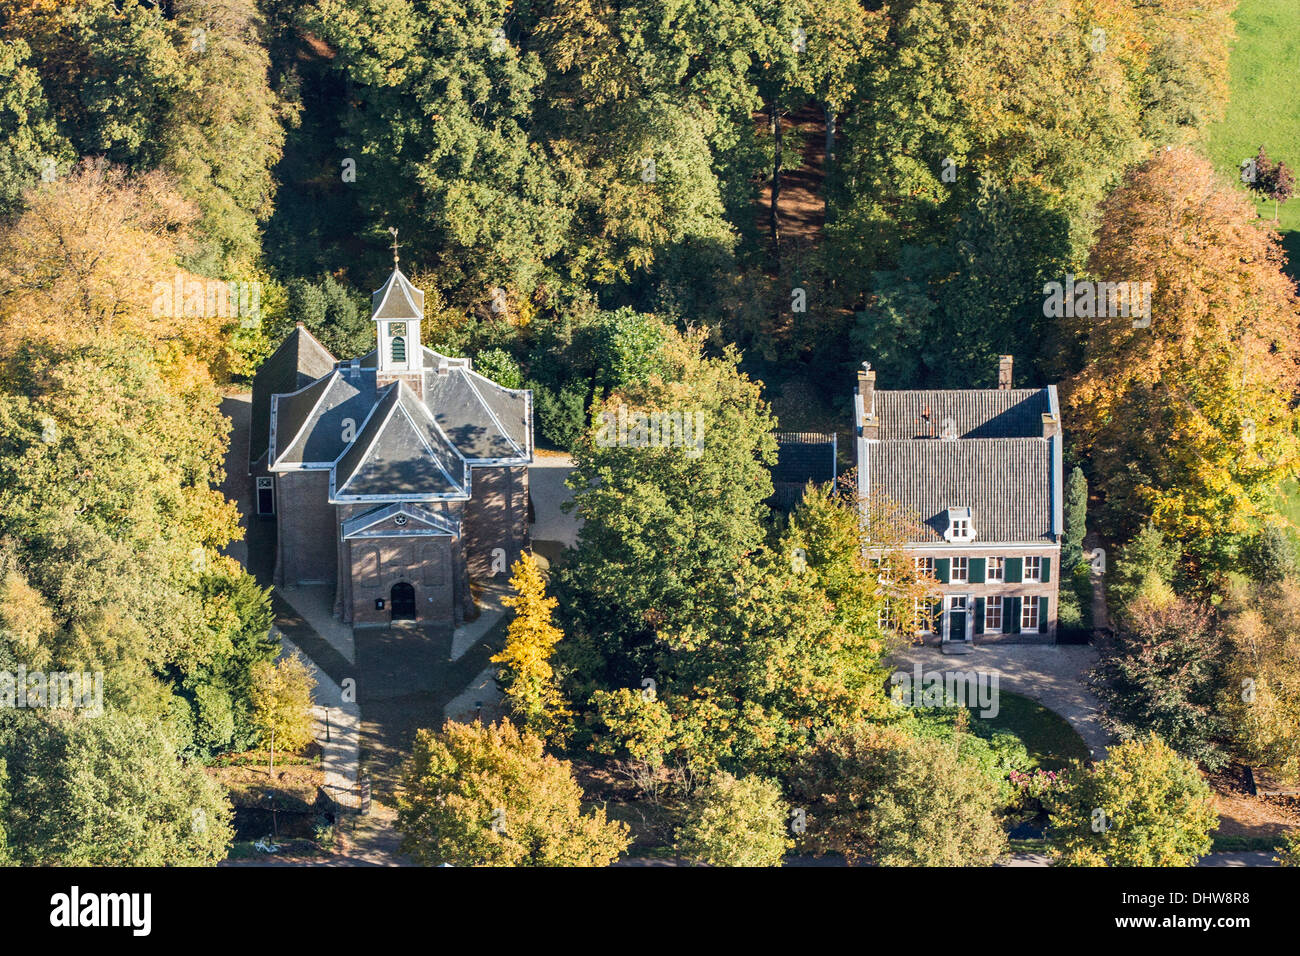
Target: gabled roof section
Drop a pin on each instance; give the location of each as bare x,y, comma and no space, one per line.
487,423
397,299
312,427
298,362
400,520
973,412
1006,482
400,453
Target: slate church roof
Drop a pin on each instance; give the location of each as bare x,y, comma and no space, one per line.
994,451
299,361
379,439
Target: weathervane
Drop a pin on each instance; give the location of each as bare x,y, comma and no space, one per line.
393,230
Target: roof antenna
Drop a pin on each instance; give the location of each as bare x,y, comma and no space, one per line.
393,230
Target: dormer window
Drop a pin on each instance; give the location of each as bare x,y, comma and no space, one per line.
961,527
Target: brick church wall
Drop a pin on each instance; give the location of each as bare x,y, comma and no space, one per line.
307,548
496,517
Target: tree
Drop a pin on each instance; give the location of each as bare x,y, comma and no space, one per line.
1143,805
1161,674
1261,690
1272,180
1146,568
526,675
446,100
500,367
475,795
30,146
1212,374
185,94
282,704
107,791
736,822
332,312
876,793
1076,517
1288,853
665,517
1271,555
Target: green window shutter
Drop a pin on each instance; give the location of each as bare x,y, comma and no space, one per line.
1006,615
979,614
941,570
1042,612
1015,614
976,570
1015,570
1047,570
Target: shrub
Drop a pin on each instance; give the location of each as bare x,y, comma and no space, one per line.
736,822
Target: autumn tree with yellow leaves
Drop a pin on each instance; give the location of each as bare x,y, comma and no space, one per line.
526,675
1188,418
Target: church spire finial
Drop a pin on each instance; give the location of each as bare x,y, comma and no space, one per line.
393,230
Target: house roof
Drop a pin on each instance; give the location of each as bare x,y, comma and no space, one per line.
802,457
973,413
1008,483
984,449
298,361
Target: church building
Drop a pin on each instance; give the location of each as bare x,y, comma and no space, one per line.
399,477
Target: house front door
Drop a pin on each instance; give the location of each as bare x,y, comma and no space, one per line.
956,623
402,602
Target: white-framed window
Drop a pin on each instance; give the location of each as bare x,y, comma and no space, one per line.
881,567
960,572
1033,569
925,567
1029,614
995,570
960,528
886,616
993,614
921,611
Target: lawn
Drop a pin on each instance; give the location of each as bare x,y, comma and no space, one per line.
1048,736
1263,109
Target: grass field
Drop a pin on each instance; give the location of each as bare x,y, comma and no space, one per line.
1263,109
1048,736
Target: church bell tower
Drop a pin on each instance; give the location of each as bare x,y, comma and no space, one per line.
397,308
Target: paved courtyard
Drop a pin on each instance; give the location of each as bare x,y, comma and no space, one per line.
1052,674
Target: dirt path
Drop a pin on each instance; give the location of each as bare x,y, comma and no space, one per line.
801,209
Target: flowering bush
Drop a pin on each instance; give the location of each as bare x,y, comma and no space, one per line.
1029,789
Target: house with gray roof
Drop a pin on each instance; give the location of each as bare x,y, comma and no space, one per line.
980,472
397,477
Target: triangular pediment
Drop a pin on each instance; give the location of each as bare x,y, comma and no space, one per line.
400,520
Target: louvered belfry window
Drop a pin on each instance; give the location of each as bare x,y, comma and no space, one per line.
399,350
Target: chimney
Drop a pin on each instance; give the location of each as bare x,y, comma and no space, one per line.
1051,425
1004,371
868,423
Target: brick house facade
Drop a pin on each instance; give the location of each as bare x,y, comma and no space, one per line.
981,471
397,477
